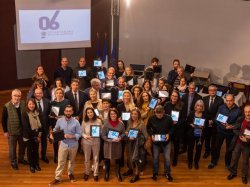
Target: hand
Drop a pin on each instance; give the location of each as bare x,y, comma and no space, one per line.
131,138
6,134
38,139
229,127
167,137
89,138
174,122
210,122
243,138
77,118
192,125
68,136
117,139
51,136
153,138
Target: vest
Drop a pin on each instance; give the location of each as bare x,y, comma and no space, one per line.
13,122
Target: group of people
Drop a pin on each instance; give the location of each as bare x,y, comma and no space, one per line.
114,118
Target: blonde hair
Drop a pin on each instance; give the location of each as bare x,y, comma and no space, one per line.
131,101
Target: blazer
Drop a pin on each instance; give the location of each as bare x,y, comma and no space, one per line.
185,101
211,112
44,115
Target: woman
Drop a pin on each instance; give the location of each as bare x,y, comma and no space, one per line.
182,87
194,134
57,111
58,84
94,102
136,92
32,132
113,147
175,105
120,68
130,78
147,86
136,150
40,75
90,144
38,84
142,104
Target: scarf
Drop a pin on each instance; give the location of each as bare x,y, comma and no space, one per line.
34,120
114,123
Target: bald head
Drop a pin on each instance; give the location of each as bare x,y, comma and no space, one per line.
247,112
229,100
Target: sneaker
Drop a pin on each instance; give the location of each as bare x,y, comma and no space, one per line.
72,178
54,182
169,177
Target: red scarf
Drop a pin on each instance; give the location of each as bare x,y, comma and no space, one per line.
113,123
245,125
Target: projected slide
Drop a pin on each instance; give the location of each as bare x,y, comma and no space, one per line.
40,26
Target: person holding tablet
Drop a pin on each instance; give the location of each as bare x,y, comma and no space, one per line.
112,133
160,129
227,116
137,135
91,129
195,124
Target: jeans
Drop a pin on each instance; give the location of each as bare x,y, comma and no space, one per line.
166,152
13,141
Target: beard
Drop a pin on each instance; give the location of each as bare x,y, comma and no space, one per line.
68,115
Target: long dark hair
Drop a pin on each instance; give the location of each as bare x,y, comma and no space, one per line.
34,102
86,118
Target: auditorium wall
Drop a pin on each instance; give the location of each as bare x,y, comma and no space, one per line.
212,35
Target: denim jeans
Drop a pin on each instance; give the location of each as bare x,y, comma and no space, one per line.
166,152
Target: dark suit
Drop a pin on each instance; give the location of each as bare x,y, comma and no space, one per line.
44,118
81,102
211,131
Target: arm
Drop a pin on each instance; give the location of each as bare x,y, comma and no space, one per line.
104,134
4,120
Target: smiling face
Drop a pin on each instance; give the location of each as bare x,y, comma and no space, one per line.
145,97
126,98
128,71
40,70
113,116
16,97
31,106
90,113
82,62
59,95
146,86
134,115
92,95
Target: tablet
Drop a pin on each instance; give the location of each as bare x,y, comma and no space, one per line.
199,121
106,95
181,94
82,73
101,75
58,135
97,63
152,103
157,69
175,115
133,133
110,83
97,112
125,116
222,118
163,93
113,134
120,94
160,137
219,93
95,131
130,82
246,132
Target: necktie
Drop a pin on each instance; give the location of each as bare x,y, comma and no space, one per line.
39,106
190,100
211,103
76,102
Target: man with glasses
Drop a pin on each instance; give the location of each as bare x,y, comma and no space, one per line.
233,113
160,129
212,103
13,128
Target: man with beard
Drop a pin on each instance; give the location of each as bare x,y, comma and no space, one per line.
69,145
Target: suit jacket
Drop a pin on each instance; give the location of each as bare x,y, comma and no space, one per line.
185,101
81,102
44,115
211,112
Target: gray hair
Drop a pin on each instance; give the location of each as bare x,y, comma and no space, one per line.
200,102
95,80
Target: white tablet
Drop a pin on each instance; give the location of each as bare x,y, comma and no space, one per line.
199,121
82,73
125,116
222,118
97,63
120,94
175,115
106,95
101,75
163,93
153,103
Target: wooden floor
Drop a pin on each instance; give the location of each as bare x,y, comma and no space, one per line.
181,174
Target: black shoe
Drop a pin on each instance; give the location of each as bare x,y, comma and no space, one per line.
38,168
72,178
244,180
106,176
190,165
206,154
55,160
96,178
119,177
211,166
45,159
32,169
86,177
128,173
174,163
182,151
231,176
14,166
196,166
169,177
154,177
134,179
24,162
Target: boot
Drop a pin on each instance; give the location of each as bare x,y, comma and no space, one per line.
118,173
107,168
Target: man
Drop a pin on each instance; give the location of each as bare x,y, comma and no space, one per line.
189,101
173,73
77,99
68,147
13,129
225,130
212,103
180,74
95,84
121,86
83,74
242,146
43,105
161,124
64,71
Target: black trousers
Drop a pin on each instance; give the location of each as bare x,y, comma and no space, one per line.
44,140
177,140
32,152
196,142
219,141
210,138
